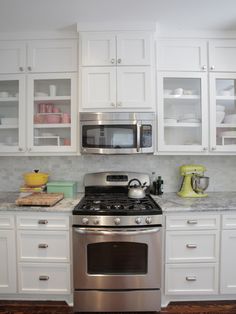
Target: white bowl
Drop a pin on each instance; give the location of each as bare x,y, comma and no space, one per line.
226,93
220,116
188,116
220,108
9,121
41,94
167,92
230,118
4,94
170,120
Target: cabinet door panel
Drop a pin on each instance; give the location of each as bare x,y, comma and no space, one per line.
134,88
222,55
98,49
8,261
12,57
134,48
52,56
181,55
98,87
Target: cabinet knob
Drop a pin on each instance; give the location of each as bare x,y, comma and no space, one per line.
29,68
213,148
204,148
21,69
20,149
119,60
112,61
212,67
204,67
113,104
44,278
119,104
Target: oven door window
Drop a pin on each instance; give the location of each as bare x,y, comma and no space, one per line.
117,258
109,136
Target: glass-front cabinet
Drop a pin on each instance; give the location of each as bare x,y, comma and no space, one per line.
182,112
52,113
223,112
12,113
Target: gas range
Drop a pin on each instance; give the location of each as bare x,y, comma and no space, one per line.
106,202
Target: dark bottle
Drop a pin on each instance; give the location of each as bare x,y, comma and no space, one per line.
159,186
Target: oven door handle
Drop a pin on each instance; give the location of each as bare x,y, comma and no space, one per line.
88,231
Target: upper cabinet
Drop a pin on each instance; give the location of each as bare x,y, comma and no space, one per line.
222,55
181,55
110,49
38,56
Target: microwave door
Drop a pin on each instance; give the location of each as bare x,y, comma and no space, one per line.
146,137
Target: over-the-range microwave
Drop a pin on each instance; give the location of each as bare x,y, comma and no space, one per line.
117,133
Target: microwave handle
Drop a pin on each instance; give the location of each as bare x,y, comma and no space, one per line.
138,136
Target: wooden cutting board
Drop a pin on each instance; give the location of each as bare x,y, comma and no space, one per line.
40,199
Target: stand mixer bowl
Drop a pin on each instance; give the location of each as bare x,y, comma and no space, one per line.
200,183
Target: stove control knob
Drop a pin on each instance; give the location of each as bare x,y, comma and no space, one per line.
96,221
138,220
85,221
148,220
117,221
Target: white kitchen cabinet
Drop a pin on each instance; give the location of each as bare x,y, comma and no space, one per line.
12,113
222,112
192,254
110,49
7,254
38,56
118,88
44,257
182,112
222,55
181,55
52,112
228,255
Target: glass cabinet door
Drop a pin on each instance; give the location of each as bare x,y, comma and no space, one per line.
52,113
223,111
182,112
12,113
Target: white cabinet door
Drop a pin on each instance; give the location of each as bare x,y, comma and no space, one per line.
181,55
134,88
182,112
222,55
12,113
8,261
52,56
222,112
134,48
97,49
52,112
98,87
228,262
12,56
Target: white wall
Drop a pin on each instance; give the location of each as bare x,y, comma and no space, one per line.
221,169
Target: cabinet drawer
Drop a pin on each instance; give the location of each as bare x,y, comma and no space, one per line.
191,279
192,222
43,222
229,221
44,246
6,221
192,246
44,278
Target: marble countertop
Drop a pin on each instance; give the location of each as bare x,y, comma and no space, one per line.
215,201
7,203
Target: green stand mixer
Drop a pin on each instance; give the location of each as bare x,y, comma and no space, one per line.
194,182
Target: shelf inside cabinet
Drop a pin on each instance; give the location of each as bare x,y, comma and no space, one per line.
8,126
225,97
182,125
52,98
9,100
52,125
226,125
182,97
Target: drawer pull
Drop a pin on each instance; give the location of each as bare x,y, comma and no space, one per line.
192,222
43,246
191,278
191,246
44,278
42,222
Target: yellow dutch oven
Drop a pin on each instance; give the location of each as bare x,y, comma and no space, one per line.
36,178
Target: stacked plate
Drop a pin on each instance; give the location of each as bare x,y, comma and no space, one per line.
189,118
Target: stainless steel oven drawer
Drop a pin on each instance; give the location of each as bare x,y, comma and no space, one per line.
117,301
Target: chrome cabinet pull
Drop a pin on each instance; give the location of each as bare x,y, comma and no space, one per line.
119,60
112,61
42,222
192,222
191,246
119,104
21,69
29,68
191,278
44,278
204,67
43,246
212,67
112,104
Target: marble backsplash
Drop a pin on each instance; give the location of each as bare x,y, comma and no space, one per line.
220,169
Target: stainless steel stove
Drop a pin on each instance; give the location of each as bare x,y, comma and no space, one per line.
117,246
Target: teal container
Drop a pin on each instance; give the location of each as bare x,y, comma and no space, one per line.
69,188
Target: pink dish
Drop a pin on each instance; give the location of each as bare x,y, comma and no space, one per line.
53,118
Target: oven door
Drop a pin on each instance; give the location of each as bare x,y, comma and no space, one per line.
117,258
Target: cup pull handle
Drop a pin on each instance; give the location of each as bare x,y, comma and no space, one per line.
191,246
192,222
43,278
43,246
42,222
191,278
